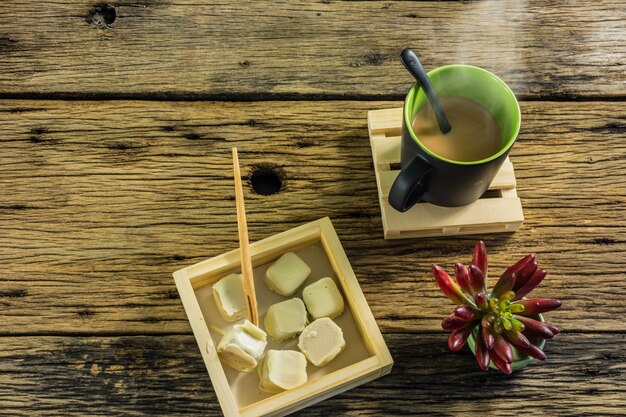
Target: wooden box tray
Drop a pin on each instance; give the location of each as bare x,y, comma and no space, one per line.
365,358
499,210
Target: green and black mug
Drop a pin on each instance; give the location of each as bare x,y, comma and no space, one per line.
426,176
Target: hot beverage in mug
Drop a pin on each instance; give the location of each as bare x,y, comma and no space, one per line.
475,134
455,168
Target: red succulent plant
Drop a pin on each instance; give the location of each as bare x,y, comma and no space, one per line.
504,319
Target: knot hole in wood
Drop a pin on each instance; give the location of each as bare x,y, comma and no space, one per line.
101,16
266,179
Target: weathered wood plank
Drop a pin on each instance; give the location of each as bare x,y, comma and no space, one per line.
101,202
164,375
339,48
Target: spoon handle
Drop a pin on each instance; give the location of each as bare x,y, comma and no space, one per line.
413,64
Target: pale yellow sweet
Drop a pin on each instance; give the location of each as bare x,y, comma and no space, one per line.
281,370
323,299
321,341
229,297
287,274
243,346
286,319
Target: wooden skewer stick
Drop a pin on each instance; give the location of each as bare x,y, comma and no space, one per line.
244,245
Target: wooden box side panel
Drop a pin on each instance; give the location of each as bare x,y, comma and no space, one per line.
354,295
314,399
317,390
261,252
205,344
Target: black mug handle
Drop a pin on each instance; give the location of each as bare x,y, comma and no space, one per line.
409,185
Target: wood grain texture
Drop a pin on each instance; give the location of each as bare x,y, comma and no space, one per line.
254,49
102,201
164,375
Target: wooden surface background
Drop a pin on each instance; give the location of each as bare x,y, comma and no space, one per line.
116,123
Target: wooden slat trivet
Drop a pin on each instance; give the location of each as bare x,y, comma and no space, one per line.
499,210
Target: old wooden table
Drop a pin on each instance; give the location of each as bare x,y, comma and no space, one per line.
116,123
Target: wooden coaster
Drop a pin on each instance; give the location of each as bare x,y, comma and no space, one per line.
499,210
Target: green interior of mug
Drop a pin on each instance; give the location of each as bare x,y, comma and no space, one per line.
475,84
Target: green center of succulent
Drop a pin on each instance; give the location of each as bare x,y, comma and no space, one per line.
499,313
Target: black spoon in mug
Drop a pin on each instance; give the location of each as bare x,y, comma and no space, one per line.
413,64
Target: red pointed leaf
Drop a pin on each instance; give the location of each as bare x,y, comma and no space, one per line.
447,285
462,277
555,330
534,306
502,365
453,322
519,264
479,257
535,328
477,279
464,312
504,285
531,284
517,339
458,337
482,354
533,351
502,348
487,337
481,300
524,274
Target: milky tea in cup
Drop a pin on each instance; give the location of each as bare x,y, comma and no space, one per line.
454,169
475,133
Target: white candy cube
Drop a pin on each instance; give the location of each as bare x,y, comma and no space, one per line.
242,346
321,341
287,274
323,299
286,319
282,370
230,299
